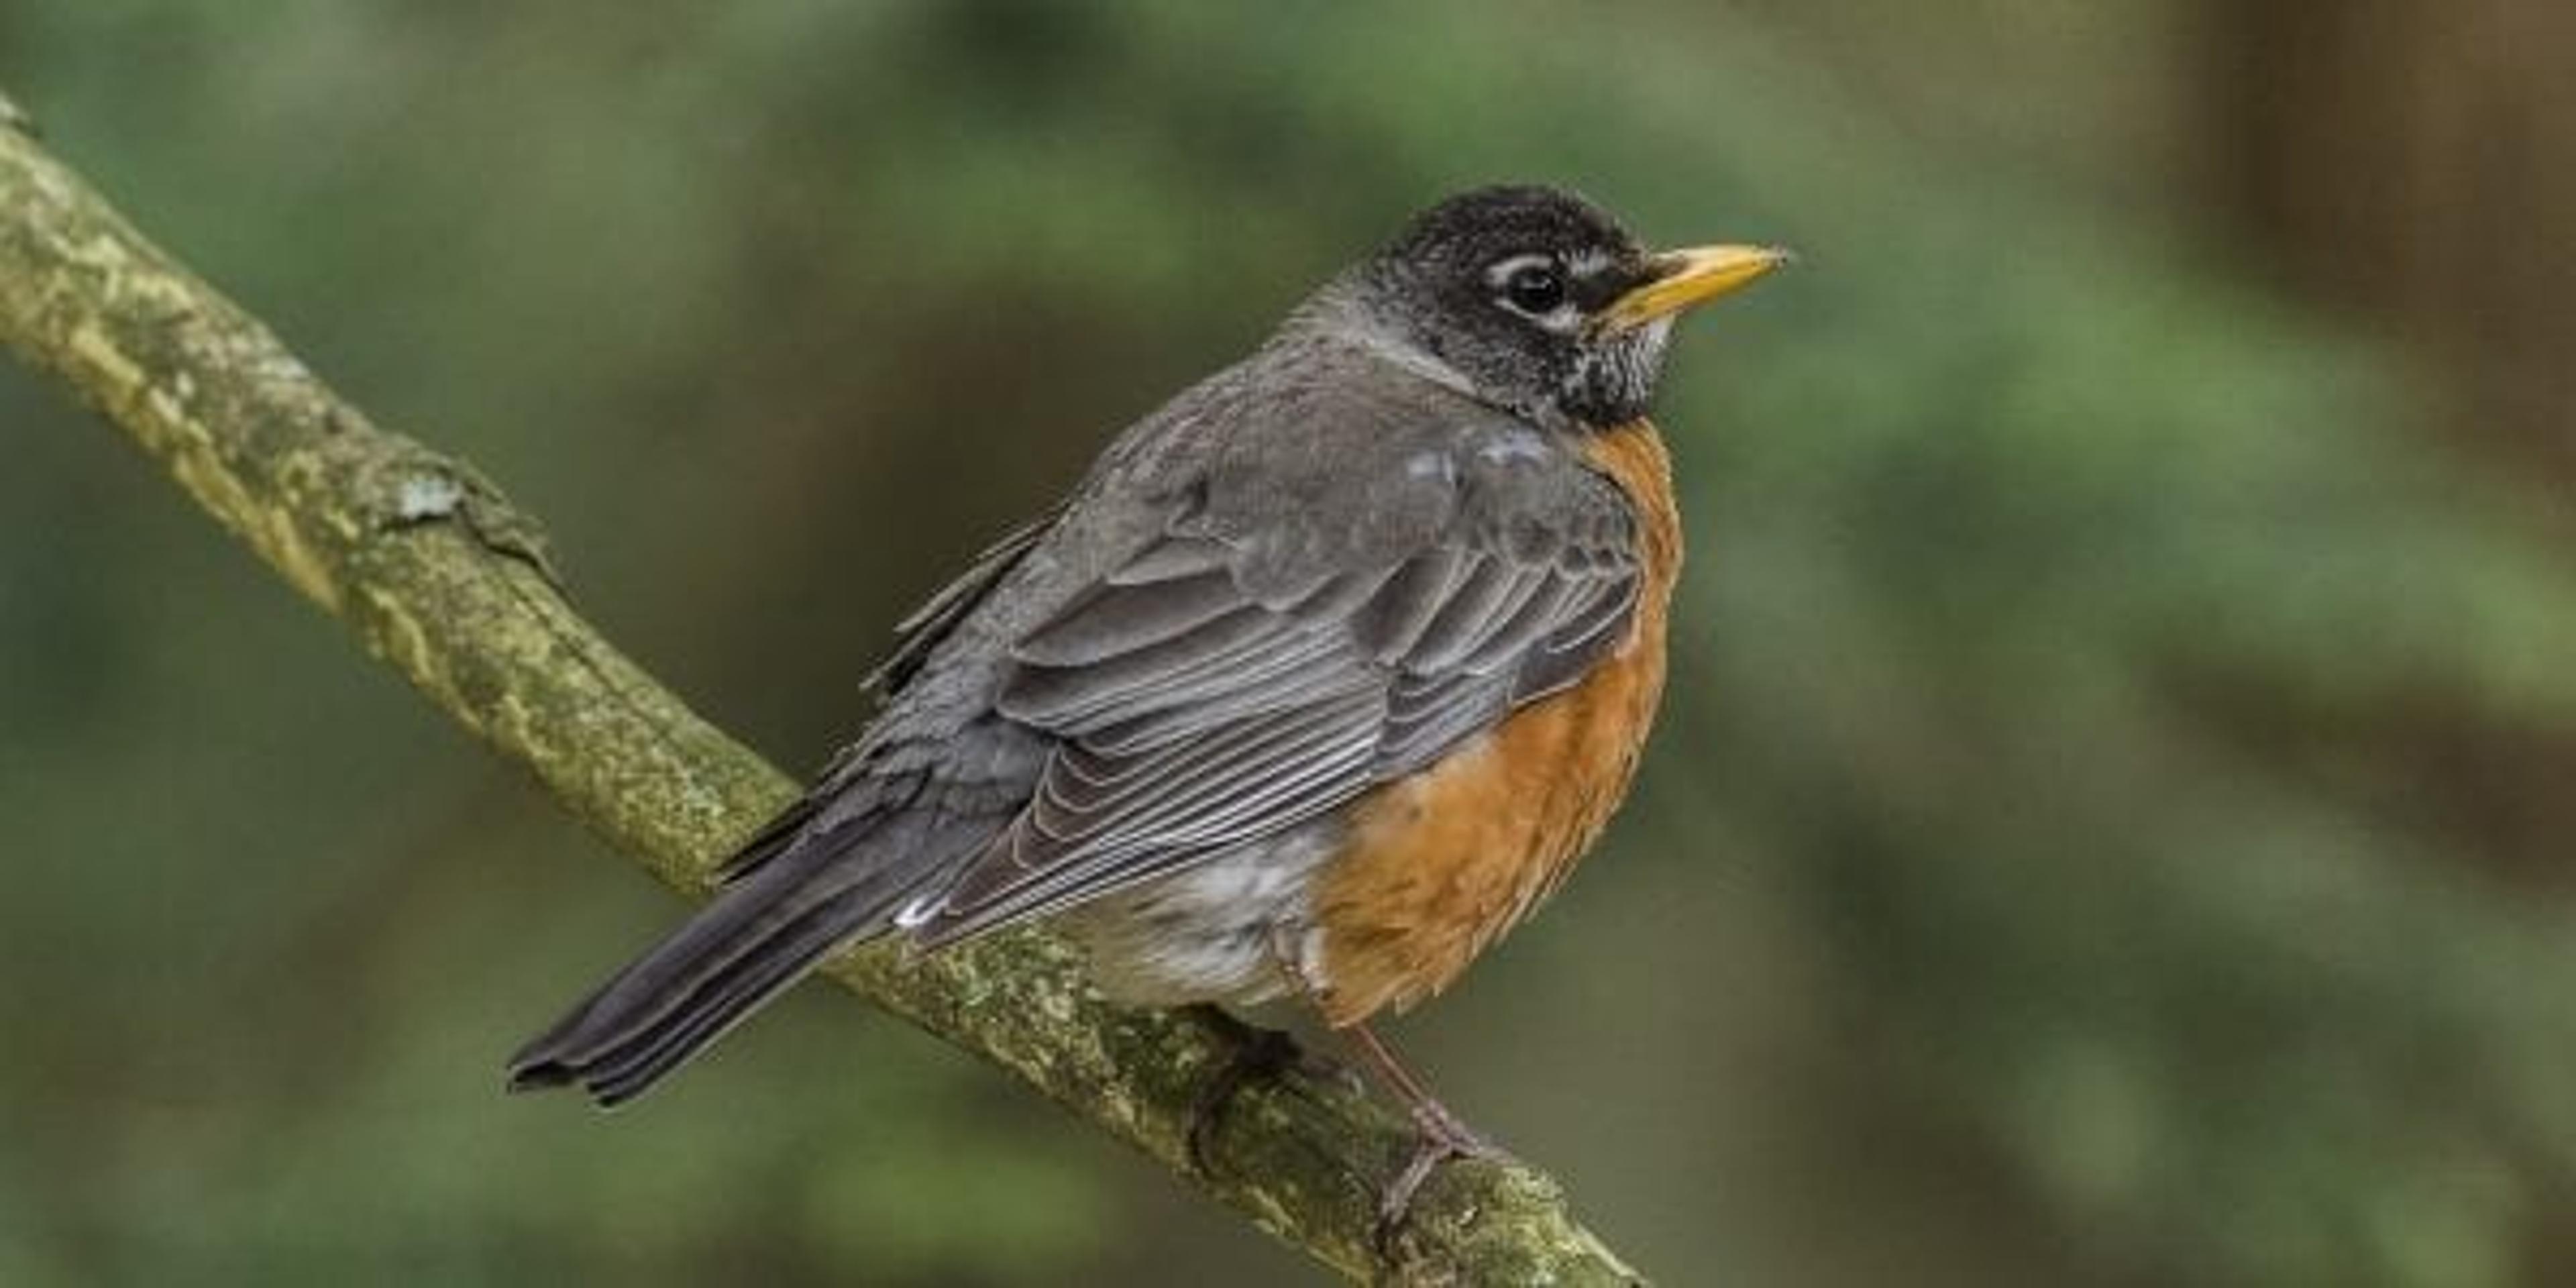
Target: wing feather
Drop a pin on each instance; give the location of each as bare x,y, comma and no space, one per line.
1252,671
1111,625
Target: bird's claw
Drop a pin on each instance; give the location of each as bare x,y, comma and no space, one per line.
1439,1137
1258,1055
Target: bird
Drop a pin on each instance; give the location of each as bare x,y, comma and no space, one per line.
1321,679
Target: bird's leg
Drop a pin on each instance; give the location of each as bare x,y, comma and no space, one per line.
1442,1136
1257,1055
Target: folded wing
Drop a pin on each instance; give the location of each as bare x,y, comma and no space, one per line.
1258,667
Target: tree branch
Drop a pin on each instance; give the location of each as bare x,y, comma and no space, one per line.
448,584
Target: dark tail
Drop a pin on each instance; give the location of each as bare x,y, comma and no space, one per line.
758,937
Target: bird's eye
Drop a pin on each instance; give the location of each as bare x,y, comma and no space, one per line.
1535,289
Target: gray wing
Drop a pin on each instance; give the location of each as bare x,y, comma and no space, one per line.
1286,645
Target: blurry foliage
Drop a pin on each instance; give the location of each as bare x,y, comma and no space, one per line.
2002,904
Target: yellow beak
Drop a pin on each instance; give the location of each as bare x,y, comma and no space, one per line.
1693,276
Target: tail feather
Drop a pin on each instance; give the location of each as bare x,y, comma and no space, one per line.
754,941
630,1068
739,924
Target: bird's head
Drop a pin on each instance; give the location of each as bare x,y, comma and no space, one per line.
1535,300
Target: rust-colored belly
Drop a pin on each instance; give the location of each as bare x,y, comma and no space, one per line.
1440,864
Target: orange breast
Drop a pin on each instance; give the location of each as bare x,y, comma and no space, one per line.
1440,864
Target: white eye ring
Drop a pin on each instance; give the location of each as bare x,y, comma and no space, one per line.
1535,287
1502,270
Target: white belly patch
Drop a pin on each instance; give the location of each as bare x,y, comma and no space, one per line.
1210,933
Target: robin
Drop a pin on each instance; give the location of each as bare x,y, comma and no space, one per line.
1319,682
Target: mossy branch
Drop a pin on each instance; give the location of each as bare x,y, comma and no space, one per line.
447,583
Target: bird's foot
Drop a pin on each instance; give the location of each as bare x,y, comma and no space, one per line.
1439,1137
1257,1055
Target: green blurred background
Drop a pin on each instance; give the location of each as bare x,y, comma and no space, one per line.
2111,829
